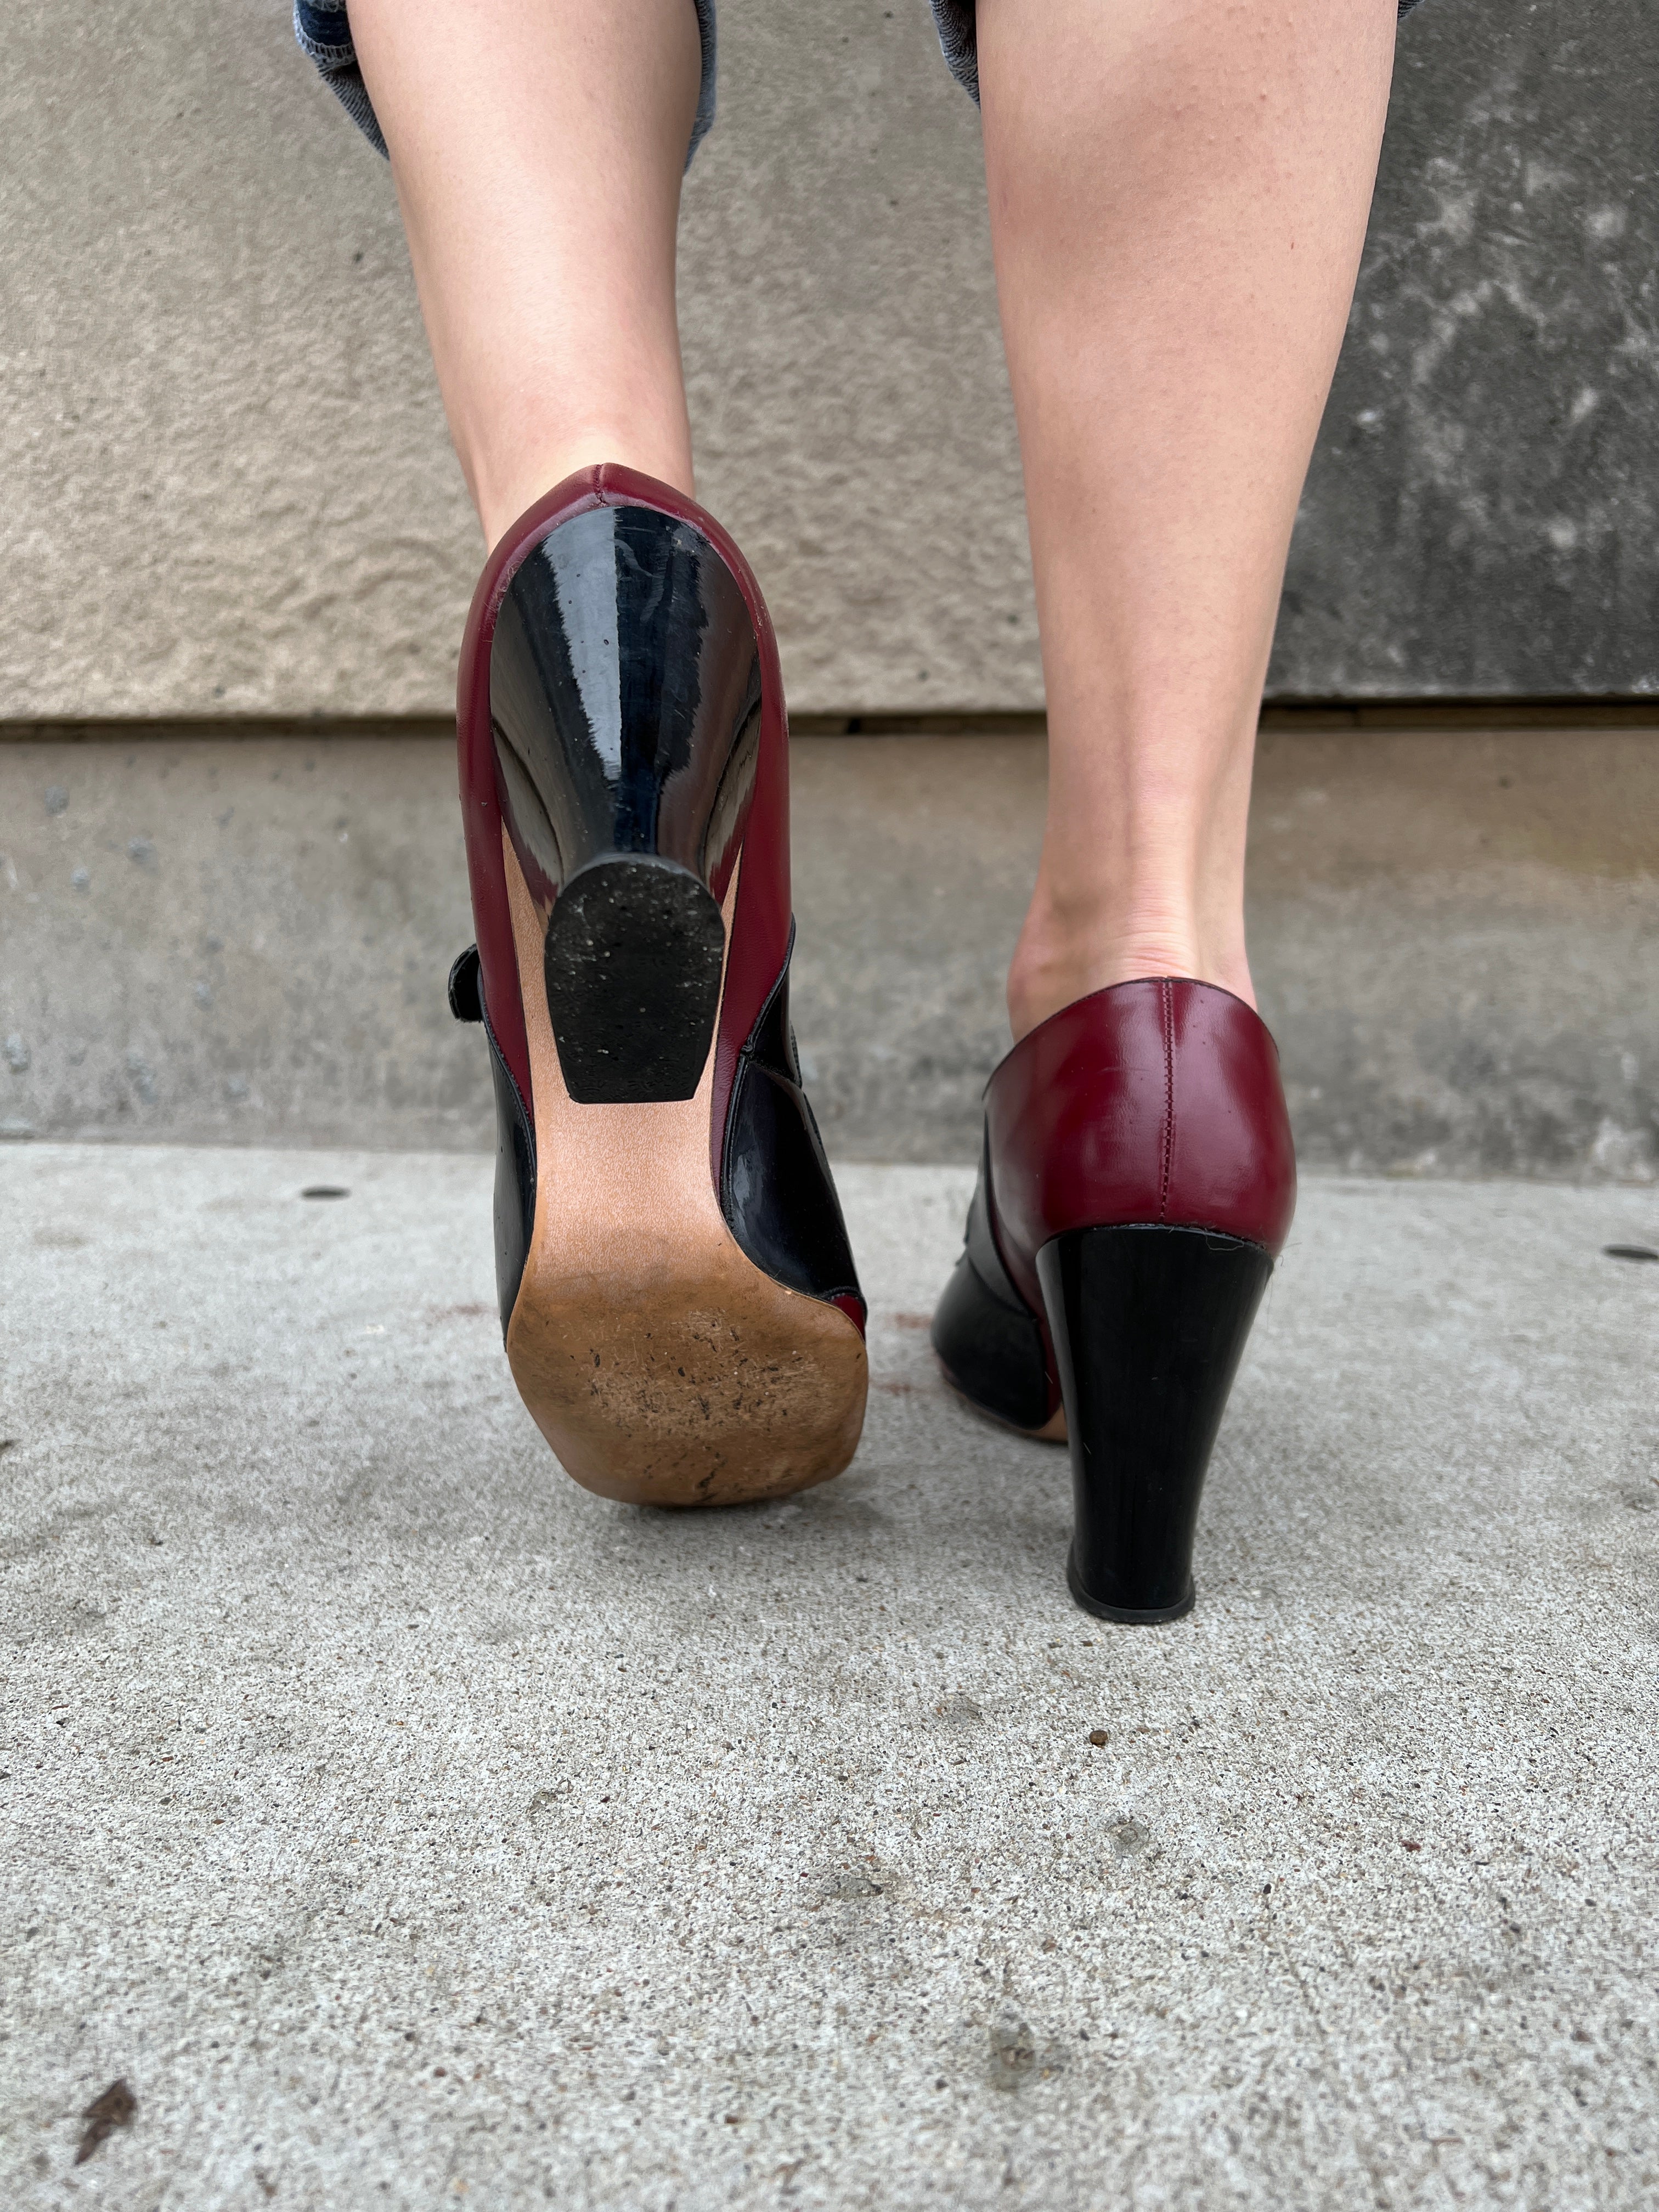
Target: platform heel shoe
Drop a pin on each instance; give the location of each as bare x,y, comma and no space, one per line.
1136,1185
680,1307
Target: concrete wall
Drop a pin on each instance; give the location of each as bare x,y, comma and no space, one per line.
227,488
245,940
1483,515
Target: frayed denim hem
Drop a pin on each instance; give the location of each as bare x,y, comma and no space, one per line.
324,32
958,45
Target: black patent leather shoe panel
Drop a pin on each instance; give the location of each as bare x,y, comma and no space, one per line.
515,1142
624,697
625,706
987,1339
777,1191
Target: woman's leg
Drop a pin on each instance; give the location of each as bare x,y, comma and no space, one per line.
1178,199
687,1335
538,149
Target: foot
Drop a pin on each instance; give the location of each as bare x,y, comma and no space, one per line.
680,1307
1136,1185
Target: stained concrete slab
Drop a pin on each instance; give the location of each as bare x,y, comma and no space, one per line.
403,1824
228,487
1455,935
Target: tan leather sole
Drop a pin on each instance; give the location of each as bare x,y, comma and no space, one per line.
660,1364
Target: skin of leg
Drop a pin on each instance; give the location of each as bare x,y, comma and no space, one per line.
538,148
1178,190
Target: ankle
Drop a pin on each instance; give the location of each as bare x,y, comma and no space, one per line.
1055,964
506,478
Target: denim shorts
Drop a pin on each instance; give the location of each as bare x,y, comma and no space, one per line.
325,33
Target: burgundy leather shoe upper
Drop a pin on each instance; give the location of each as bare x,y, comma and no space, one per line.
1155,1103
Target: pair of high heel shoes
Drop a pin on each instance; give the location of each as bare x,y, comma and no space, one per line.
680,1309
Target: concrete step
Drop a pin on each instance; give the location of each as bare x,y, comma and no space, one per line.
1455,936
401,1822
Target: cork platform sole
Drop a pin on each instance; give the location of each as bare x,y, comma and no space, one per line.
661,1365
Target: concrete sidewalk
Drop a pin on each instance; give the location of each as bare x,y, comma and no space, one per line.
406,1827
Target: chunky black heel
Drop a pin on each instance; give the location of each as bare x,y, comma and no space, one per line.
1148,1326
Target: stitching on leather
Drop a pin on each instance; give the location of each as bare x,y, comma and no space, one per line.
1166,1012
